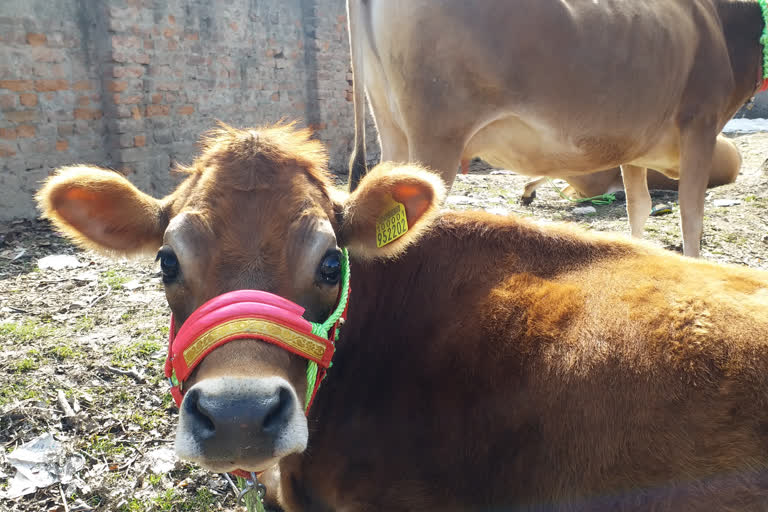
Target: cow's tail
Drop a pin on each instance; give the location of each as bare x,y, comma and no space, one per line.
357,27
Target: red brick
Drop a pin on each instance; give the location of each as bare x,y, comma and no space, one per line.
21,116
186,110
149,44
62,145
137,112
139,141
36,39
26,131
6,150
82,85
117,86
83,101
17,85
157,110
65,129
122,99
167,86
169,33
51,85
125,42
45,55
28,100
127,71
7,133
275,96
171,19
192,36
87,113
233,26
173,45
157,98
7,101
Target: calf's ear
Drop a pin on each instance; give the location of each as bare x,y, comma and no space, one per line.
100,209
390,209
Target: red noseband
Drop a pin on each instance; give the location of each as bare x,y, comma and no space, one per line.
242,314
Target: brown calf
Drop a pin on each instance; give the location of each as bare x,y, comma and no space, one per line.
726,164
487,363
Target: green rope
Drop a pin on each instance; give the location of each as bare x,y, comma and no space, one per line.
311,378
322,329
602,199
764,36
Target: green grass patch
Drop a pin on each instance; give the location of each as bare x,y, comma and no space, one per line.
26,331
122,355
28,363
84,324
174,500
114,279
20,390
63,352
104,445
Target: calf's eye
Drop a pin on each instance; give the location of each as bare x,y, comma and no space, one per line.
169,264
329,271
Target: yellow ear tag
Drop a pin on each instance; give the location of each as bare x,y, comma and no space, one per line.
392,224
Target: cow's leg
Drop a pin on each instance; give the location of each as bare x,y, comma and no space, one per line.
697,145
638,197
392,140
394,145
440,155
529,192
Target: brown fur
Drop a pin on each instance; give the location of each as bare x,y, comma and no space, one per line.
494,364
405,184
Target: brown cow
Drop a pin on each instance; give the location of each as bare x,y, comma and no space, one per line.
487,363
557,87
726,164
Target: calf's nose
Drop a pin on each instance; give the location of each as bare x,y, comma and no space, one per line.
240,419
237,413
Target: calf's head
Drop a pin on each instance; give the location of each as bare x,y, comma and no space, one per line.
255,211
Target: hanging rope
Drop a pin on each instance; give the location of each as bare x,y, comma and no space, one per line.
601,200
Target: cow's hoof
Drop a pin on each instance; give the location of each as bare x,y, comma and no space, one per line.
527,200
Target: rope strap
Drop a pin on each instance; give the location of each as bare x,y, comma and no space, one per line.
602,199
323,329
764,36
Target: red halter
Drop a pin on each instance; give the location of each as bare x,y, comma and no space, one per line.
245,314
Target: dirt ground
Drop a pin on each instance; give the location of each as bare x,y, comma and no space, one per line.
83,346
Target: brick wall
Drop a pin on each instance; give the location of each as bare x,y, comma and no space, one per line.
131,84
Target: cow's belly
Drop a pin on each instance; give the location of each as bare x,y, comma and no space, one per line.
540,149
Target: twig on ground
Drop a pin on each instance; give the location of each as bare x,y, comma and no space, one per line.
97,299
16,405
68,411
130,373
63,498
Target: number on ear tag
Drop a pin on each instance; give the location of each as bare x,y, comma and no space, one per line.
392,224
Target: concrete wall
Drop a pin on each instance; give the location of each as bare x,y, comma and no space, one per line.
132,84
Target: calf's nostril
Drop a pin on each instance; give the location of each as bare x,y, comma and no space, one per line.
279,412
196,411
